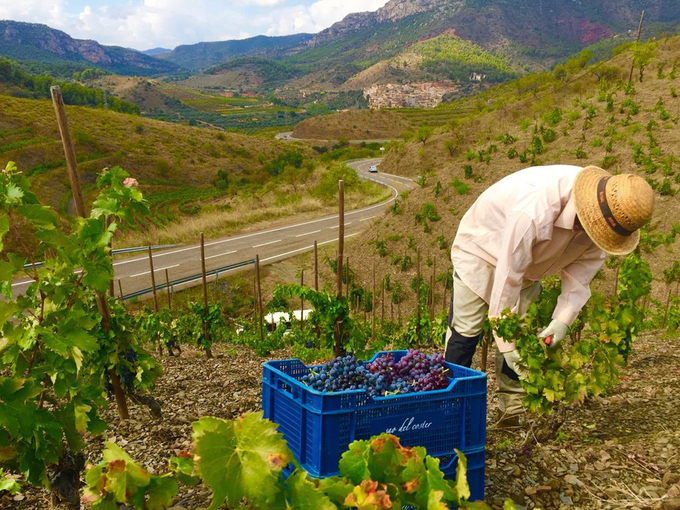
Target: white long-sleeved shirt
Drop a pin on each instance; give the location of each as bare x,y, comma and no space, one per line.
520,230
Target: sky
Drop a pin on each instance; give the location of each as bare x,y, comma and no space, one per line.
145,24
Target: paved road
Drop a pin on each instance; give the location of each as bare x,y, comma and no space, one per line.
272,245
288,135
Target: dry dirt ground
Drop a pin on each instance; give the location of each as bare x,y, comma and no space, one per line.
618,451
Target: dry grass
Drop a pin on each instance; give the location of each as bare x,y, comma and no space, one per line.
251,214
353,125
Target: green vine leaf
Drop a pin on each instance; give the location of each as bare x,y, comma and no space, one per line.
240,459
303,494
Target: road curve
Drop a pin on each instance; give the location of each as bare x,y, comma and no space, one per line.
272,245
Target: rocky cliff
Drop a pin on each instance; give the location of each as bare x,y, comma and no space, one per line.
32,41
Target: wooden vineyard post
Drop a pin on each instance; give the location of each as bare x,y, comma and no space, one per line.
79,203
373,306
302,299
485,352
382,303
167,289
259,297
632,64
206,331
153,278
341,247
316,267
433,286
347,283
418,297
120,288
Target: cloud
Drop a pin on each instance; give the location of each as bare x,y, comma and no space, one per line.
144,24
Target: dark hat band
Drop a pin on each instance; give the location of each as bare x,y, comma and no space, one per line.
606,211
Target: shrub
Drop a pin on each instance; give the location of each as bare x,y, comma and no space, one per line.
549,135
553,117
608,162
467,169
666,189
460,187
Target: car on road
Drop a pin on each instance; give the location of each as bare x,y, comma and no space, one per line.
373,169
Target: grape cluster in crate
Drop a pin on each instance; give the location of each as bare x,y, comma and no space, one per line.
384,376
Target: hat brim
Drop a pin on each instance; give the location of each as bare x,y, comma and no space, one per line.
591,218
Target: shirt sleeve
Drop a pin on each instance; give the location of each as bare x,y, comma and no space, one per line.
576,278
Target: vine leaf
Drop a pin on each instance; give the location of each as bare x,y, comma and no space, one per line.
370,495
303,494
354,462
238,459
336,488
462,486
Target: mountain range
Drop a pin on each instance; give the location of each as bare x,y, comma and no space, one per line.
493,38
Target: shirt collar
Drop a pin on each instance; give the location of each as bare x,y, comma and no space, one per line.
567,217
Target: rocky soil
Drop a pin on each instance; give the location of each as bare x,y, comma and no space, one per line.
619,451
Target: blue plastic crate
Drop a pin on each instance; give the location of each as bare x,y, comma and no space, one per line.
475,470
320,426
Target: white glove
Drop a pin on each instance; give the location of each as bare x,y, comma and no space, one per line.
556,330
513,360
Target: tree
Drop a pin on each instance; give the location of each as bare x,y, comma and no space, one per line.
424,132
643,53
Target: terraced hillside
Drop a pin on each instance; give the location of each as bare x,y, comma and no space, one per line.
588,116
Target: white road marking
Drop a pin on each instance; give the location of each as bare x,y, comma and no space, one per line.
308,233
265,244
338,226
369,218
155,270
221,254
305,248
349,213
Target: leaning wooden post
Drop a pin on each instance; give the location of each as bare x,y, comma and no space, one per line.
79,203
120,288
259,297
167,288
206,332
341,247
632,64
418,297
69,151
153,278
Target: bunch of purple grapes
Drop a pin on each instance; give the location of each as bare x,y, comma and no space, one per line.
384,376
424,373
344,373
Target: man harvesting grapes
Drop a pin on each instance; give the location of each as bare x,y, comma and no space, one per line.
534,223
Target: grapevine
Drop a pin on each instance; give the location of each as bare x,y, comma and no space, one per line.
244,460
54,350
589,365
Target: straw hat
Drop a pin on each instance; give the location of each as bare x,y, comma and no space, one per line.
612,208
